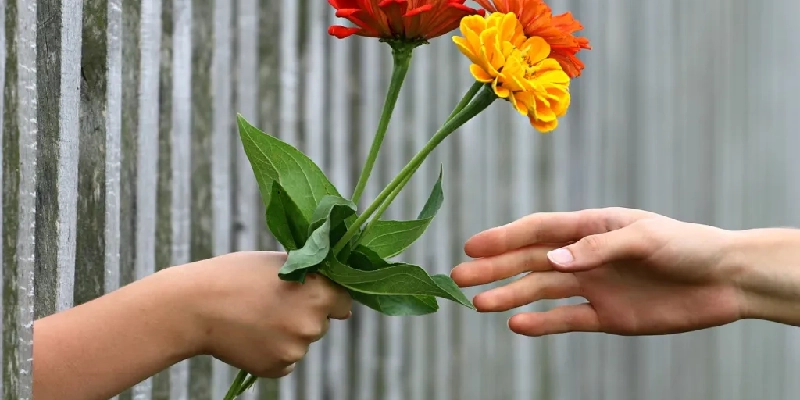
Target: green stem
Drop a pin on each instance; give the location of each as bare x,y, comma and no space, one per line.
481,102
251,380
388,201
402,61
233,391
473,90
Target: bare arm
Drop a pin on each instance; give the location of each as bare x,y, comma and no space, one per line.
233,307
98,349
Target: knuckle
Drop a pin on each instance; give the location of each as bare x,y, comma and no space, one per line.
311,332
593,244
265,371
648,233
292,354
345,298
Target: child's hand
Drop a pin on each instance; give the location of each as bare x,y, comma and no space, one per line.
248,317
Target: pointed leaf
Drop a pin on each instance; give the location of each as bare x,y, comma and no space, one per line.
396,279
274,160
313,252
390,238
398,306
285,220
326,207
446,283
435,199
365,259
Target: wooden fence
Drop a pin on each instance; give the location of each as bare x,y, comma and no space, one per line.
120,157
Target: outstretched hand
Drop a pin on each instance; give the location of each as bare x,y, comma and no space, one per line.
642,273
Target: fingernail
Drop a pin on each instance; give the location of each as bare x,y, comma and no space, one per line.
562,257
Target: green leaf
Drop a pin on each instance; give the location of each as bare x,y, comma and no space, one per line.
274,160
390,238
396,279
313,253
446,283
285,220
331,212
365,259
435,199
327,208
398,306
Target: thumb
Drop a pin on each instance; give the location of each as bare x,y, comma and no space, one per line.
596,250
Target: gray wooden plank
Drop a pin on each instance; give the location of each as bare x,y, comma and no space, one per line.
422,373
10,150
26,52
48,86
525,180
370,104
205,170
3,168
113,144
181,162
288,117
341,125
469,377
88,264
147,146
314,123
68,146
247,88
393,158
164,181
441,257
222,125
130,74
248,202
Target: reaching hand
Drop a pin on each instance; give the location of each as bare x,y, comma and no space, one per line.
641,273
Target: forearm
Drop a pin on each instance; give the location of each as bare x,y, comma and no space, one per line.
101,348
767,272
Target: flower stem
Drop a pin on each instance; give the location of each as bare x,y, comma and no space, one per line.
401,54
473,90
233,391
481,102
388,201
251,380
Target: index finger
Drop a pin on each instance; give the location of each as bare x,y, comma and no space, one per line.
550,227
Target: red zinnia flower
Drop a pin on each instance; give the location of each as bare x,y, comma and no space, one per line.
405,20
537,19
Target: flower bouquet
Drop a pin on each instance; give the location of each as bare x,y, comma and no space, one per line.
520,53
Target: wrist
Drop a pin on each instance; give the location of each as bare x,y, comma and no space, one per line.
764,266
182,293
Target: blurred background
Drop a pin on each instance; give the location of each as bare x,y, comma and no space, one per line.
120,157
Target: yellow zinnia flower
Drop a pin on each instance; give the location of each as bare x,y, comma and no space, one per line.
516,66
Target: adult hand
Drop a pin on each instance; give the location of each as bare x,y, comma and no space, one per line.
642,273
255,321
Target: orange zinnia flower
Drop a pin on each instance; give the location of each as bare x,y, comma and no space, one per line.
538,20
404,20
